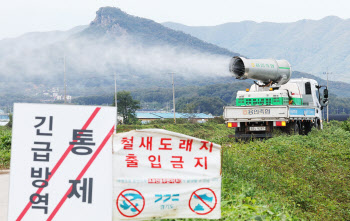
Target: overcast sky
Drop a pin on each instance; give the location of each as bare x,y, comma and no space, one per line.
21,16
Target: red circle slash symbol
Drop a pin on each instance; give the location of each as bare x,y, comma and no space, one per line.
202,201
130,203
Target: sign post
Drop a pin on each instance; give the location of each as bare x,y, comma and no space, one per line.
161,174
61,162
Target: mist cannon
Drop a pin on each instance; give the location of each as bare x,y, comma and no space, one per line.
268,71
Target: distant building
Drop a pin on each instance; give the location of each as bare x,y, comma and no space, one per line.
55,89
4,118
61,97
150,111
147,117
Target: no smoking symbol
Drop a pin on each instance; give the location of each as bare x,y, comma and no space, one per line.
130,203
203,201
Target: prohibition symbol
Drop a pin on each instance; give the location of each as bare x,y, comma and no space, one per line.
130,203
202,201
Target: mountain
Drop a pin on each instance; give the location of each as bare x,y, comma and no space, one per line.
33,40
113,22
309,45
141,52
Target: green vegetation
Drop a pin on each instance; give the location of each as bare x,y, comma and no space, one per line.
127,107
339,105
217,133
225,91
282,178
5,147
307,175
205,99
212,105
346,125
190,99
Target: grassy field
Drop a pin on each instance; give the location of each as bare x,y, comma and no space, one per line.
295,177
283,178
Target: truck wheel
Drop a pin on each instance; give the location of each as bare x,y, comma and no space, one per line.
293,128
308,127
319,125
296,129
237,134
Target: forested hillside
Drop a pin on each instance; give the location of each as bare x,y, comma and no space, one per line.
141,52
206,99
113,22
311,46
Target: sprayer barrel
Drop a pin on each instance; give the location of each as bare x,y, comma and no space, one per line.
264,70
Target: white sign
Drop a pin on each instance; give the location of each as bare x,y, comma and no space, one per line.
61,162
162,174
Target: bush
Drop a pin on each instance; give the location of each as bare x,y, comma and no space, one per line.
9,124
217,120
5,140
5,147
346,125
5,157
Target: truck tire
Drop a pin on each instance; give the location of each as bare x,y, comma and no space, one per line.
237,134
307,127
318,124
293,128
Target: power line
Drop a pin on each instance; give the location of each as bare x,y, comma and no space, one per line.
65,80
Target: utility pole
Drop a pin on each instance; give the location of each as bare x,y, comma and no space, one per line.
64,78
172,77
115,95
328,100
323,114
115,100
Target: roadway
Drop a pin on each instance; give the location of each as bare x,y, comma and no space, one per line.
4,193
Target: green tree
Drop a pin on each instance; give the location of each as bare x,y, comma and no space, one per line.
9,124
127,107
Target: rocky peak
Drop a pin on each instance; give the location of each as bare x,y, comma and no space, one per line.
112,23
107,16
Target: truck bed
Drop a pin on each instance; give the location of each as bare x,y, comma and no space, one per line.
269,113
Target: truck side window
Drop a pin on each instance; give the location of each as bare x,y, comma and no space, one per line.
307,88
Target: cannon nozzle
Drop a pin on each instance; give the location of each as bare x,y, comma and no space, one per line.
265,70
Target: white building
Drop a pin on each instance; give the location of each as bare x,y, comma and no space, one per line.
4,118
